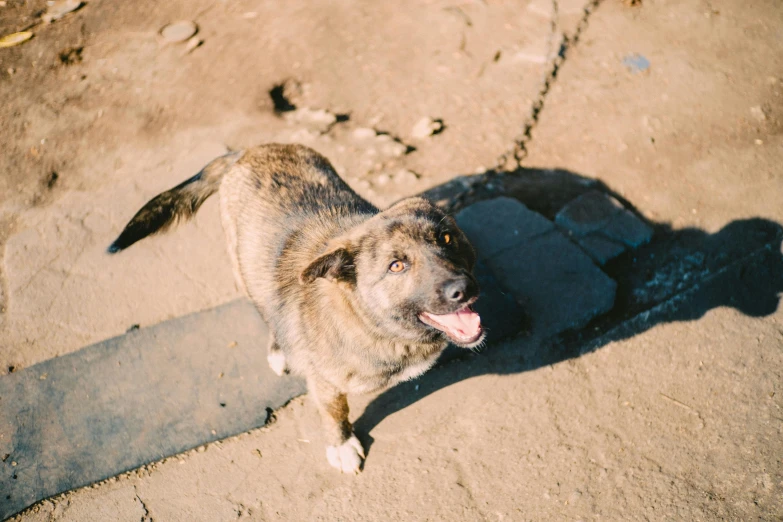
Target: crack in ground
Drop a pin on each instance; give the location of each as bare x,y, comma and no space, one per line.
145,517
519,152
520,149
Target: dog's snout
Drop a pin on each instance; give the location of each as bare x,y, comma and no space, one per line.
459,290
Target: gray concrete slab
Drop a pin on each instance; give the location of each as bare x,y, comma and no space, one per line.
557,283
601,225
588,213
500,223
134,399
601,249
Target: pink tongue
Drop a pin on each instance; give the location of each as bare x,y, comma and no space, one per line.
465,323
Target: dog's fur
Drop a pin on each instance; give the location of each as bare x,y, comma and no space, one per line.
315,259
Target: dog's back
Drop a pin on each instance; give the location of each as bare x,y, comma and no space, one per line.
356,299
284,202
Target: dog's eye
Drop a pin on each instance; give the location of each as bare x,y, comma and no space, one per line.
396,266
445,238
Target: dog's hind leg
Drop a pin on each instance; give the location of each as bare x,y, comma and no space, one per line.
343,450
276,358
230,229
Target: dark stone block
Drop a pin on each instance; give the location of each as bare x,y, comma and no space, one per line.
497,224
600,248
501,315
588,213
116,405
629,229
558,284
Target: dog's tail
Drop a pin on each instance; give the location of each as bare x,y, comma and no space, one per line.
179,203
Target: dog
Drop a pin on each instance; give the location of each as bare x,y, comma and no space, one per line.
356,299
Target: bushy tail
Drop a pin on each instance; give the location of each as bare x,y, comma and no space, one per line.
179,203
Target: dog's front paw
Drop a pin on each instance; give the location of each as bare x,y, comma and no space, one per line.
346,457
277,362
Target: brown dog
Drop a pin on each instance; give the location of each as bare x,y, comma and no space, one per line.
356,299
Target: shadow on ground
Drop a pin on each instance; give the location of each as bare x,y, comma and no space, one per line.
679,276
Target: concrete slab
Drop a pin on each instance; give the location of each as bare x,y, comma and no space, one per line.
602,226
629,229
600,248
500,223
501,314
588,213
115,405
558,284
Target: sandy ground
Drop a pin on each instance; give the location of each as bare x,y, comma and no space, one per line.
683,421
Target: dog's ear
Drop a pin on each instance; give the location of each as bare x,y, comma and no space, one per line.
336,264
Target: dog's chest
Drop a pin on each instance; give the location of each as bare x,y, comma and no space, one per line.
393,373
414,370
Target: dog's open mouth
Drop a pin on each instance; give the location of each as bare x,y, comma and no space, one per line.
462,327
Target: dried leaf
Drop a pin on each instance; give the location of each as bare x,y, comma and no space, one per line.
15,38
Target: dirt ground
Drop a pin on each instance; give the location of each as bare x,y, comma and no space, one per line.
682,421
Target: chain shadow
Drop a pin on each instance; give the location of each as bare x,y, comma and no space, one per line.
679,276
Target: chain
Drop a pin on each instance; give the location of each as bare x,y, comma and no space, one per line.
513,158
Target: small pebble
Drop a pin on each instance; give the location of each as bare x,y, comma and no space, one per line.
59,9
405,176
426,127
176,32
758,113
192,43
389,147
363,133
636,63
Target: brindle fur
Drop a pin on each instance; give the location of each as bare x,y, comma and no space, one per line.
314,256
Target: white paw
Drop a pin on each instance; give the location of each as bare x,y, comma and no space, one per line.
277,362
347,457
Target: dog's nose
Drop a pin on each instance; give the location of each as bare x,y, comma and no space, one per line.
459,290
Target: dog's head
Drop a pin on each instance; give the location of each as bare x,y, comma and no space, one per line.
409,268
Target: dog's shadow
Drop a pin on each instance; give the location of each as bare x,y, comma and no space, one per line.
679,276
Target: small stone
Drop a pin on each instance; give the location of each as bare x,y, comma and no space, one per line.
404,176
316,119
636,63
388,146
178,31
426,127
363,133
60,8
758,113
382,180
192,43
